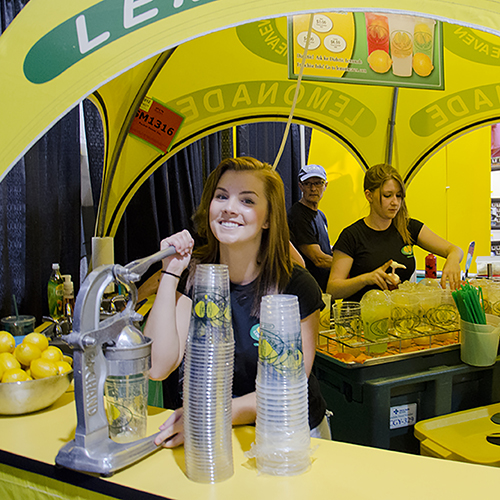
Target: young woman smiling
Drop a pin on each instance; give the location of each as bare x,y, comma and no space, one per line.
365,250
242,216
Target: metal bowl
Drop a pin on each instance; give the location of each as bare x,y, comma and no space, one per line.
17,398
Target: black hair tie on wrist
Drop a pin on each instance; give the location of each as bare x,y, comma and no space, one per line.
171,274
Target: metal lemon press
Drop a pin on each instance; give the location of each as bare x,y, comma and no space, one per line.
111,360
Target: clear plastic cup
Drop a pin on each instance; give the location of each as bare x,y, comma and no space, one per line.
282,438
279,317
405,313
208,375
347,318
126,401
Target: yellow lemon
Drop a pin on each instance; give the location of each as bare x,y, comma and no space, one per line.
15,375
25,353
41,368
380,61
422,64
7,342
38,339
63,367
52,353
8,361
68,359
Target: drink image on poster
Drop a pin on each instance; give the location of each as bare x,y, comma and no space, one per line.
377,32
401,38
377,38
423,46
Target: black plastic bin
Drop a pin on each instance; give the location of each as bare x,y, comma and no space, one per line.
364,397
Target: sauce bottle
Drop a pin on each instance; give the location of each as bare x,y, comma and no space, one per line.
430,266
68,298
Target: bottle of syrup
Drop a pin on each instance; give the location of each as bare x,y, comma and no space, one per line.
69,298
430,266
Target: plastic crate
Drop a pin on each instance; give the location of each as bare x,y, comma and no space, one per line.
462,436
367,400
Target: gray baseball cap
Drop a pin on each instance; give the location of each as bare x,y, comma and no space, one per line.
309,171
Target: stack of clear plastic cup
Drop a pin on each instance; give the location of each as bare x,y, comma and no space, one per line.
208,378
282,435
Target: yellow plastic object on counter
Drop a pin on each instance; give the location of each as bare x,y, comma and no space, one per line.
462,436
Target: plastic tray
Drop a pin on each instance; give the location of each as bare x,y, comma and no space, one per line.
462,436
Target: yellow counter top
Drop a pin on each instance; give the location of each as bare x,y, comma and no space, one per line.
339,470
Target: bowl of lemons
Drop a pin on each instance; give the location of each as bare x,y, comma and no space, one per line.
33,374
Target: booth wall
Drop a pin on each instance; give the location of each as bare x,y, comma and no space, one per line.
451,193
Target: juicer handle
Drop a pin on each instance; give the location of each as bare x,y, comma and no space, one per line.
140,266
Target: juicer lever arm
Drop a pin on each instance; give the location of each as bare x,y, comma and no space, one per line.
140,266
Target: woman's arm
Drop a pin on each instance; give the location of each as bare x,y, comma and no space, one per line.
295,256
309,329
168,321
341,286
433,243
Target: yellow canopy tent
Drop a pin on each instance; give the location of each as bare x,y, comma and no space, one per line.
198,60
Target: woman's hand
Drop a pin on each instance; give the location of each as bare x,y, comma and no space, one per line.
433,243
340,285
183,244
380,277
451,272
172,430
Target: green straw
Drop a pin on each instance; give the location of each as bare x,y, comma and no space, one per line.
467,299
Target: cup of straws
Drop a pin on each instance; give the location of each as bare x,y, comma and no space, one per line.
479,332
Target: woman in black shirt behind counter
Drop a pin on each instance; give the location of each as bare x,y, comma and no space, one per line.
365,250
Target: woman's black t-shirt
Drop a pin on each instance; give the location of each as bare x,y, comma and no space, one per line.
371,249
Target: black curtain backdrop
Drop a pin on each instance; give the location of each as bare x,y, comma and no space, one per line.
39,211
263,141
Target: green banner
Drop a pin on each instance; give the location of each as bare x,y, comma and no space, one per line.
368,48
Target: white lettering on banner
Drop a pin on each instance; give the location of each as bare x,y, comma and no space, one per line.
403,416
84,44
178,3
129,21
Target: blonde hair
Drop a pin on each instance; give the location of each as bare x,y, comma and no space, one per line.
274,254
375,178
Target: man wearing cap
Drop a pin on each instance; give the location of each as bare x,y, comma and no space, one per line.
308,225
